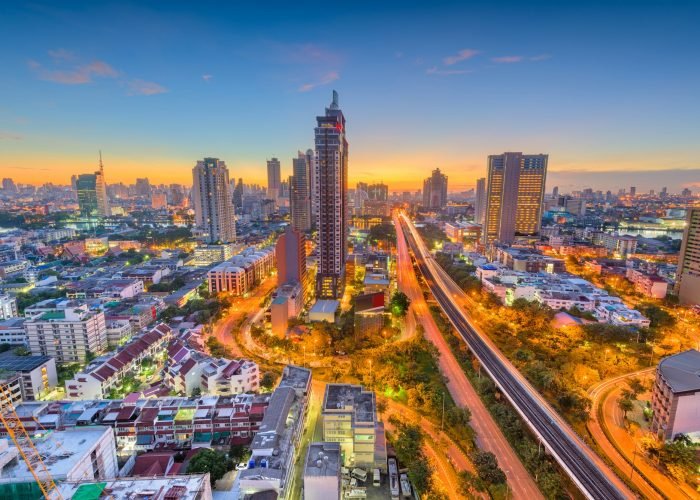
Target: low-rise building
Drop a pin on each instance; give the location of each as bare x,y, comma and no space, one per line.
676,396
8,307
322,472
207,255
38,373
648,285
76,454
287,303
12,331
104,374
349,416
620,244
188,370
183,487
275,447
324,310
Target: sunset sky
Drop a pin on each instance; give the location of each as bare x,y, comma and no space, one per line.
608,89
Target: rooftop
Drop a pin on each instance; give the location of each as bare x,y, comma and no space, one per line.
682,371
350,398
322,459
325,306
60,451
186,487
9,361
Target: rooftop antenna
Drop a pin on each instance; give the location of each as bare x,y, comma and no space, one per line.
101,166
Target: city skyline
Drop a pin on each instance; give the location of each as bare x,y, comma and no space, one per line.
592,110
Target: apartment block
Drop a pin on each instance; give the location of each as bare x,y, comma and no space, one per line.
65,330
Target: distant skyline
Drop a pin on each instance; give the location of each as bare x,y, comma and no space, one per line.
607,89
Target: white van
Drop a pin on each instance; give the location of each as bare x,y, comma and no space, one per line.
377,480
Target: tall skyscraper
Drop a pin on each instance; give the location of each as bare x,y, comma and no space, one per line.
274,178
514,196
555,191
92,194
290,253
101,186
300,196
330,200
688,274
480,201
435,190
633,191
213,204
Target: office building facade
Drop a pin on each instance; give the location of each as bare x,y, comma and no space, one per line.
330,200
514,196
213,204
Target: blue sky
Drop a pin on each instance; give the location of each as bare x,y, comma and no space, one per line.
600,86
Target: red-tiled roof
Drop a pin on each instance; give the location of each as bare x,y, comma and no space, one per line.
187,366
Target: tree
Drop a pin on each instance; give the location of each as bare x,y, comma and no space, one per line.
487,467
625,404
22,351
636,386
213,462
398,305
237,452
267,380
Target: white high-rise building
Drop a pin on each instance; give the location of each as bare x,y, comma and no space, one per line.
213,203
331,200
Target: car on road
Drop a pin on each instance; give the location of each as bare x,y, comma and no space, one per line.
242,466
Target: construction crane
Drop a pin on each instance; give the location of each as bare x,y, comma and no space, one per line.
15,429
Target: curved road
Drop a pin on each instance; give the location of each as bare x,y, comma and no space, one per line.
604,397
587,470
488,435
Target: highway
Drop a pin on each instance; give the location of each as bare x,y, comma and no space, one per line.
587,471
488,435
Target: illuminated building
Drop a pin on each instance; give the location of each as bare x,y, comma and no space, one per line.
330,200
92,194
213,205
514,196
435,190
300,195
688,285
291,258
274,179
